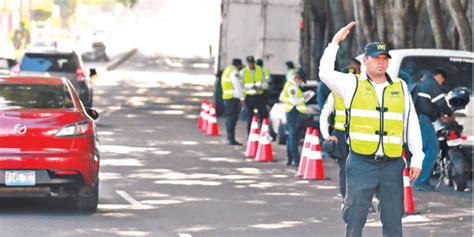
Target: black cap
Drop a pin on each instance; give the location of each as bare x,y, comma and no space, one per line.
259,62
236,62
250,59
374,49
301,74
290,64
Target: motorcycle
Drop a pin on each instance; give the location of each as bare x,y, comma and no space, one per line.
454,163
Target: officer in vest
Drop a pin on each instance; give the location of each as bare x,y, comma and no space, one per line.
254,87
294,104
233,97
335,105
430,104
266,79
381,113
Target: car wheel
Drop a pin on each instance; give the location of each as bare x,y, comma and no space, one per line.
88,198
282,136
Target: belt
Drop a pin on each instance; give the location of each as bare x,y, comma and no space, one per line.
377,158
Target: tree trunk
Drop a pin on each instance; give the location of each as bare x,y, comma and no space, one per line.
437,24
379,7
412,19
397,8
462,24
338,20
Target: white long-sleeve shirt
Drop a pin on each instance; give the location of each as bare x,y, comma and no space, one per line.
345,84
327,110
237,85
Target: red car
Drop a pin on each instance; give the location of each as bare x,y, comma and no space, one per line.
48,141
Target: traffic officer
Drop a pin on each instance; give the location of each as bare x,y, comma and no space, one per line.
254,87
381,113
233,97
335,105
293,104
430,103
266,79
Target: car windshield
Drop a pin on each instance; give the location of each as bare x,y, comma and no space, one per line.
458,70
49,63
34,96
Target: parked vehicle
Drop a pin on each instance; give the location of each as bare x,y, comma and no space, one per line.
7,65
273,38
96,53
49,143
454,164
56,63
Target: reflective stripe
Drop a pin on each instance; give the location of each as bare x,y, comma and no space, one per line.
424,95
315,155
227,79
226,92
406,181
437,98
393,116
212,119
364,137
254,137
365,113
339,126
454,142
264,140
392,140
340,113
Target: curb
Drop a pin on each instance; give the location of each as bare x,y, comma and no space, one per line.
121,60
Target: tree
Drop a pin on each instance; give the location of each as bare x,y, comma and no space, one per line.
462,24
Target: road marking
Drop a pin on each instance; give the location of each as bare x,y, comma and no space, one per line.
129,198
184,235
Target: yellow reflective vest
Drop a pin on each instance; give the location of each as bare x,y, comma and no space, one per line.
253,84
226,83
371,124
291,96
339,112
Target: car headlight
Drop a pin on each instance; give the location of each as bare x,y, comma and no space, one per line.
73,130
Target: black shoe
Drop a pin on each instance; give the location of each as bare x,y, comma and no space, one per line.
234,143
288,163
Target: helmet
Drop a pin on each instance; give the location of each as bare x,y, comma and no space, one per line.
458,97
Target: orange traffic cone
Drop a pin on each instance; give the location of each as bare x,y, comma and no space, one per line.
305,152
408,203
201,114
264,151
205,117
212,128
252,143
314,165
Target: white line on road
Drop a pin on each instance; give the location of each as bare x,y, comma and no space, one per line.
129,198
184,235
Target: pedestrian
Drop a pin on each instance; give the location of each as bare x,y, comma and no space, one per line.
266,80
293,101
253,90
233,97
430,104
335,105
290,66
381,113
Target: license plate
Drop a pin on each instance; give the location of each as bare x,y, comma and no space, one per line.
20,178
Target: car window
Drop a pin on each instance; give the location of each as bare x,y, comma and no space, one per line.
49,63
4,63
34,96
458,70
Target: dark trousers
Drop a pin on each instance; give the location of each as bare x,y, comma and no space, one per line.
430,148
343,151
258,102
292,152
365,177
231,109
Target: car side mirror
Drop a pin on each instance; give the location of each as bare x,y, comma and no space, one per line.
92,113
92,72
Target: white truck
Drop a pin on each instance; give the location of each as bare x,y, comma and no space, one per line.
266,29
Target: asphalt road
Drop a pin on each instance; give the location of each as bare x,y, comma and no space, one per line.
160,176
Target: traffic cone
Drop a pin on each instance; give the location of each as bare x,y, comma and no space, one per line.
212,127
201,114
252,143
407,191
205,117
264,151
314,165
308,137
